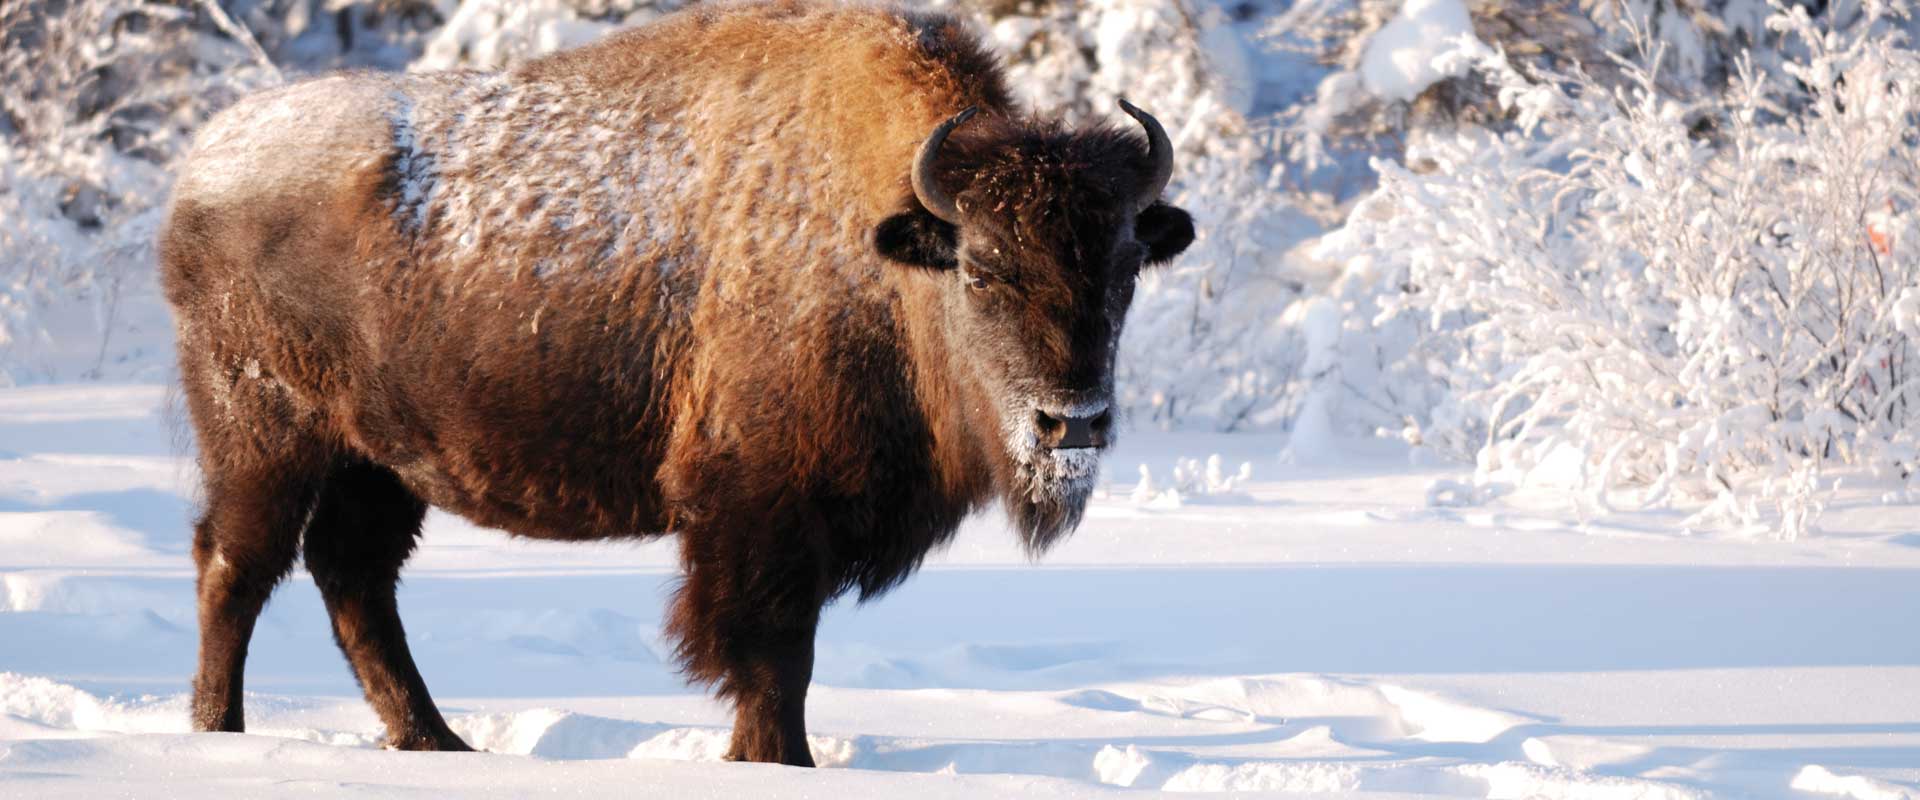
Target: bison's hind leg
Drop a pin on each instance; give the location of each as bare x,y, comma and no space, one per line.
260,485
272,475
363,529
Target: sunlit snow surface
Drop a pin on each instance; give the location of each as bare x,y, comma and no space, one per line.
1320,629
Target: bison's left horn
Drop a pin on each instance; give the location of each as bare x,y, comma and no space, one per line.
1159,153
925,187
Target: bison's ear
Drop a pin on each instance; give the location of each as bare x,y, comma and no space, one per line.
1165,230
917,238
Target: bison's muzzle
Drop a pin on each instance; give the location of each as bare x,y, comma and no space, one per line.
1067,430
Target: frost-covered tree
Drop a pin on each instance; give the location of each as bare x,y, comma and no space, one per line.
1384,87
98,97
1679,316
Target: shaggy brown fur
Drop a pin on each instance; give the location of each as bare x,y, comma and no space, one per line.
676,281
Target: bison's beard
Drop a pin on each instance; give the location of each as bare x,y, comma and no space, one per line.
1049,493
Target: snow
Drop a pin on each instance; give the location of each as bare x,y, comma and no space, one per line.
1403,57
1820,780
414,167
1306,630
492,34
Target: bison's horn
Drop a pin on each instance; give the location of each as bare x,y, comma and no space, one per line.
1159,153
925,187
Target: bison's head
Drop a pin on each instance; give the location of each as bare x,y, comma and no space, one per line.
1036,236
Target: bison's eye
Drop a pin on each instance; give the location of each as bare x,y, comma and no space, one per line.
976,281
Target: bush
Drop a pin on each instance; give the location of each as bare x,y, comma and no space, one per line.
98,99
1677,299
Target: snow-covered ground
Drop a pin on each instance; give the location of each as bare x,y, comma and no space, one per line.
1322,629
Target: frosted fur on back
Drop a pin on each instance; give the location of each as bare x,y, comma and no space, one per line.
536,175
710,137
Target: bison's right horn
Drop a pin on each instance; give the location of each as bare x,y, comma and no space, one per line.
925,187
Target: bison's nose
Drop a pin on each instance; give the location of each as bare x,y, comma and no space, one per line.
1058,431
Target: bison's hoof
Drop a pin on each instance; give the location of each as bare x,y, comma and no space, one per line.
802,758
427,742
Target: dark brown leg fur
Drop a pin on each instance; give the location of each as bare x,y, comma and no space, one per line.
243,546
363,529
262,476
747,626
269,475
770,699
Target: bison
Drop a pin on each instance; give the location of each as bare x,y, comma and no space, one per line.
799,283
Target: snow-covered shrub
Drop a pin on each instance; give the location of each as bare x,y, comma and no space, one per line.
1385,84
1189,479
1676,315
313,35
96,98
493,34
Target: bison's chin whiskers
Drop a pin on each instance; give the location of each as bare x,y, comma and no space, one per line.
1048,510
1049,490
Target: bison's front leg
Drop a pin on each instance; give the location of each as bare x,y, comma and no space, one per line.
769,691
745,619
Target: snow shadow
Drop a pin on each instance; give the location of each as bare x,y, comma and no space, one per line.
151,434
163,518
1090,624
1034,628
